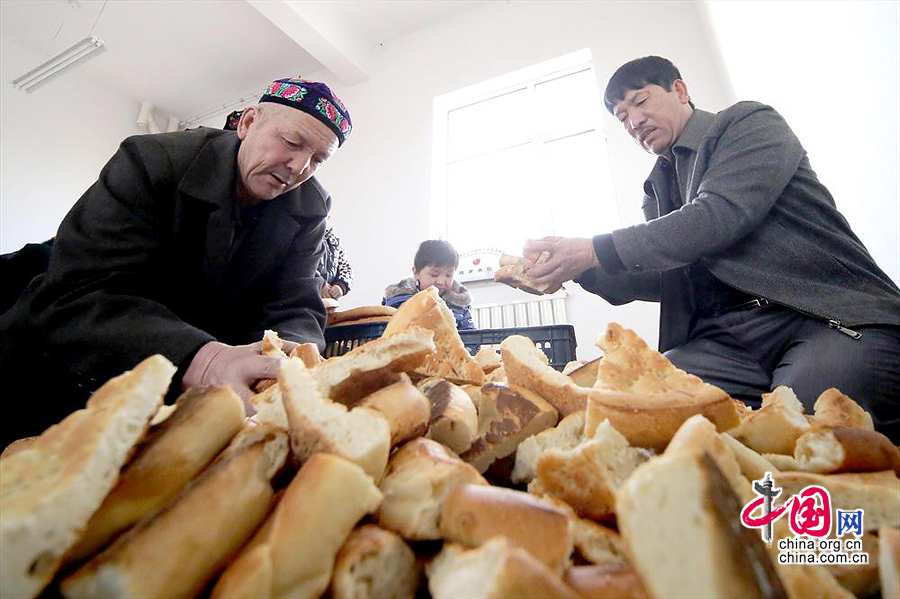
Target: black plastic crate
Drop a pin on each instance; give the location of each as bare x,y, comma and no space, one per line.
557,341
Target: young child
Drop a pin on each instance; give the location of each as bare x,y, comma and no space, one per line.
434,264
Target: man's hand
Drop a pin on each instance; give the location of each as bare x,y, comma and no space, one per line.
569,257
238,366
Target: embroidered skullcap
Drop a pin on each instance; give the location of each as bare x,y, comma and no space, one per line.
232,120
313,98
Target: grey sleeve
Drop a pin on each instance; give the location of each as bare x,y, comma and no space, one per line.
752,163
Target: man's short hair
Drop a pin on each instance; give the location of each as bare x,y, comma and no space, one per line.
638,73
435,252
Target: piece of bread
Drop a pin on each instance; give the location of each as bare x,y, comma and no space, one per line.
681,505
586,374
573,365
587,476
753,465
420,475
272,346
513,272
833,408
375,563
877,493
568,434
614,580
23,443
174,452
775,426
319,425
295,554
860,579
488,358
405,408
596,543
698,435
308,353
453,420
645,397
269,407
356,314
180,548
889,561
50,489
473,514
360,321
827,450
426,309
526,366
520,414
369,367
497,376
496,570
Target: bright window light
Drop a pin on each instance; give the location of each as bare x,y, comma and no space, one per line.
522,156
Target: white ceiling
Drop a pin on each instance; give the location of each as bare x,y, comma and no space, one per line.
190,56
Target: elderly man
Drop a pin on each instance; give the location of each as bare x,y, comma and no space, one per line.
760,278
190,245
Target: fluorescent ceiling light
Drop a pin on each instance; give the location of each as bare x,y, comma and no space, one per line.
57,64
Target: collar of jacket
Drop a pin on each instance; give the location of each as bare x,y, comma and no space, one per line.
210,178
687,144
456,295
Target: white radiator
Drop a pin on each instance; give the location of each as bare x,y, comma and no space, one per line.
524,313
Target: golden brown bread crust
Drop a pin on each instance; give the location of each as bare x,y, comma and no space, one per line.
218,511
833,408
50,489
520,413
324,502
775,426
473,514
586,374
405,408
356,315
615,580
204,421
308,353
375,563
526,366
848,450
453,420
451,359
513,269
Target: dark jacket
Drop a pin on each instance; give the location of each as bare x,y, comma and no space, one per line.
757,217
334,267
457,298
156,257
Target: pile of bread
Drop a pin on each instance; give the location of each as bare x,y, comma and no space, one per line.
407,467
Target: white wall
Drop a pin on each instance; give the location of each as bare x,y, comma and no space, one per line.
53,144
380,181
833,70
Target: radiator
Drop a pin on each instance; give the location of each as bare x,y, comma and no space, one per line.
524,313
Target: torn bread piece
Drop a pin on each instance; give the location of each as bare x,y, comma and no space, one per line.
473,514
526,366
889,561
450,359
597,544
775,426
753,465
520,414
369,367
51,487
269,407
613,580
375,563
645,397
177,551
420,475
318,424
586,374
588,476
496,570
678,503
357,314
699,435
174,452
308,353
513,271
829,450
453,420
833,408
488,358
406,409
568,434
324,501
272,346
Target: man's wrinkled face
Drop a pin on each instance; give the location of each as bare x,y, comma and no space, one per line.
281,148
653,116
439,276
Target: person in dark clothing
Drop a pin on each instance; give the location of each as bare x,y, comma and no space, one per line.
334,268
761,281
435,265
190,245
19,267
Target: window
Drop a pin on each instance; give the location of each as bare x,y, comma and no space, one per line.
522,156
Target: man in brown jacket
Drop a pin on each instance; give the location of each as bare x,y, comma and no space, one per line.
190,245
761,281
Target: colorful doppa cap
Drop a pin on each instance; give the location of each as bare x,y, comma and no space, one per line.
314,98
